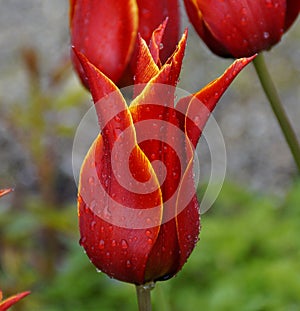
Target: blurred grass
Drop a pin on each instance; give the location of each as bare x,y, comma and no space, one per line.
247,259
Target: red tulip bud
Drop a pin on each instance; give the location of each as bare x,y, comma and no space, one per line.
106,33
137,203
241,28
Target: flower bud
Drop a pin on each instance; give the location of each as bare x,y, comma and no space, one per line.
241,28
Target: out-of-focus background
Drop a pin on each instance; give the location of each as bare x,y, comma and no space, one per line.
249,251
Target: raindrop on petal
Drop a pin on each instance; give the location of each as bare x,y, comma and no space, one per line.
124,244
101,244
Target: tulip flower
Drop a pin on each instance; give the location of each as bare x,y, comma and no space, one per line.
10,301
137,204
241,28
106,32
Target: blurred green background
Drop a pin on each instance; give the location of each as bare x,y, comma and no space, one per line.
249,250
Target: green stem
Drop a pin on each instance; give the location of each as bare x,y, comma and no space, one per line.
144,296
274,100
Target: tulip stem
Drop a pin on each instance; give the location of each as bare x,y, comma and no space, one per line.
277,107
144,296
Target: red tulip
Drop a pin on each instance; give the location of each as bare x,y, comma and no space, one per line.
106,32
8,302
241,28
137,204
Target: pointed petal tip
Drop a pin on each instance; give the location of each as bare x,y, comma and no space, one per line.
6,191
10,301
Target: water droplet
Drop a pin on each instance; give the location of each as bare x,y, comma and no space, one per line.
175,175
243,21
269,3
107,213
244,11
82,240
124,244
148,232
107,254
150,241
161,46
93,205
266,35
117,118
148,221
92,181
245,42
149,285
98,270
101,244
128,264
113,243
93,224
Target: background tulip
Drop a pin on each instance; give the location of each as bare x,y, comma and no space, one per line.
132,235
106,32
241,28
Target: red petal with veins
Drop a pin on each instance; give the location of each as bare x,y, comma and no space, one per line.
105,32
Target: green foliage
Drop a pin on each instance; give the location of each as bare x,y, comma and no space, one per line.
247,259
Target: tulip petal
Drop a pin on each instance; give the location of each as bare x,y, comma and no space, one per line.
198,106
168,74
155,104
105,31
153,13
292,12
196,18
7,303
156,42
234,24
146,67
109,208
